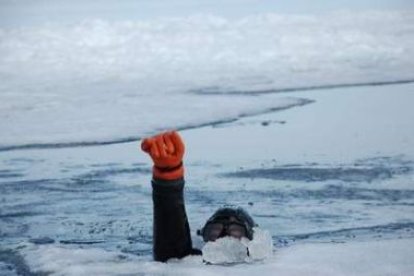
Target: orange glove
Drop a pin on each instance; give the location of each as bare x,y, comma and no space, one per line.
166,151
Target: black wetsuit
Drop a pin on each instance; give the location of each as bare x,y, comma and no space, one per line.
172,237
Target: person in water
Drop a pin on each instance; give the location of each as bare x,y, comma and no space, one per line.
171,231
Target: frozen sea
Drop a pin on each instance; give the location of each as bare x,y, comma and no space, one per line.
332,181
304,120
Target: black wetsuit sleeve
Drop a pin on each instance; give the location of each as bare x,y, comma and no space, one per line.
172,237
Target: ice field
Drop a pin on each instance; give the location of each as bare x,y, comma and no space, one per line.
333,187
306,121
99,79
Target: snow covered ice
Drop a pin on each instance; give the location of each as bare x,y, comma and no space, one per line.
304,120
99,78
356,258
86,211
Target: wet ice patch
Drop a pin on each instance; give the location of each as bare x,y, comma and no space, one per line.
10,174
229,250
7,270
376,232
12,264
369,170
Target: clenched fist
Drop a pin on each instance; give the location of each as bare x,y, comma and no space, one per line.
166,151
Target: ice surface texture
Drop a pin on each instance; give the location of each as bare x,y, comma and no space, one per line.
88,211
98,81
388,257
59,205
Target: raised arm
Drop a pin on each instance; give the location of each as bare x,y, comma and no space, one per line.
171,238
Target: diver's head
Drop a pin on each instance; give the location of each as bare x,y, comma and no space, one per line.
228,221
